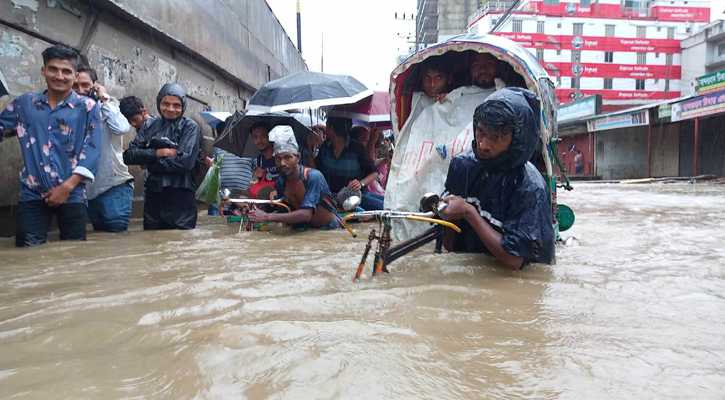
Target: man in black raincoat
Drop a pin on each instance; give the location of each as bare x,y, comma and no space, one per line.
497,196
169,149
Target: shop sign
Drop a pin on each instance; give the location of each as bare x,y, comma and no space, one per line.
700,106
618,121
586,107
664,111
711,82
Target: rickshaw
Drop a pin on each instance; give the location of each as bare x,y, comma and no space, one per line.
420,165
517,67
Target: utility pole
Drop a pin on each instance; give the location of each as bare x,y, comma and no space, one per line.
299,28
322,52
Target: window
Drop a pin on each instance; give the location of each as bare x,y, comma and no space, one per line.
574,82
607,83
641,58
540,54
609,30
539,26
671,32
608,56
494,21
720,49
667,85
517,25
641,31
553,2
668,59
558,52
578,29
639,84
585,3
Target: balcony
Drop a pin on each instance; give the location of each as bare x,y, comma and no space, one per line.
496,6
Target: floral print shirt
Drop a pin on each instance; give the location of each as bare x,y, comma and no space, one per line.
55,143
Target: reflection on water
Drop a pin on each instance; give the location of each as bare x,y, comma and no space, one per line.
635,308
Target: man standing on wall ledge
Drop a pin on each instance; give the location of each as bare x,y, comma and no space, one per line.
110,197
169,149
60,134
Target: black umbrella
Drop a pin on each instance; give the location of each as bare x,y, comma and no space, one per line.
236,137
308,90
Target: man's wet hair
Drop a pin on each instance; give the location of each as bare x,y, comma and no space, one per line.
131,106
341,126
495,115
90,71
436,63
60,52
260,124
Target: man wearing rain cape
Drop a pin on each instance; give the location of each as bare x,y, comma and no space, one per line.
497,197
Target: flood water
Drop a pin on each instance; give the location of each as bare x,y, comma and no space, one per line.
634,308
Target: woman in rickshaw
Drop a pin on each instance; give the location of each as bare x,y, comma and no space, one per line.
520,228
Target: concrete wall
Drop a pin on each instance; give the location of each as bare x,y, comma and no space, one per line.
220,50
622,153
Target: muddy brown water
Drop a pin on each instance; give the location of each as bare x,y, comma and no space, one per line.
635,308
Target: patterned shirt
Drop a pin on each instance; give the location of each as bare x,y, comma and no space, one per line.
353,163
55,143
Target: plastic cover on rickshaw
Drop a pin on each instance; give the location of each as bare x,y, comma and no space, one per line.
430,133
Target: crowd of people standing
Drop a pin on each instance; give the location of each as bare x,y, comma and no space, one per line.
75,164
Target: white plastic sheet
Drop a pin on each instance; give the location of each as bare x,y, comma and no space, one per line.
434,134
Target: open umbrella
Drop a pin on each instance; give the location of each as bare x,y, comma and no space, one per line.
236,137
307,90
373,110
213,118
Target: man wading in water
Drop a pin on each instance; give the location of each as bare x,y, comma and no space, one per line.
304,189
513,222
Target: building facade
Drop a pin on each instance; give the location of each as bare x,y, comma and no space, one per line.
707,45
627,51
438,20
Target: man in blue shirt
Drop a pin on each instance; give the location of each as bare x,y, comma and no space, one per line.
303,189
59,133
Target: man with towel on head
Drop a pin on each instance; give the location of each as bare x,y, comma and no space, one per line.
304,189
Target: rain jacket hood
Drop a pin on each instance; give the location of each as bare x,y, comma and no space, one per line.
172,89
181,134
519,108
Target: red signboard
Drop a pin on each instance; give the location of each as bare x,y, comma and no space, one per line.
634,71
564,42
612,11
596,10
565,95
694,14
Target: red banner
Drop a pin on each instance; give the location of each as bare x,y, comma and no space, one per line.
600,43
694,14
633,71
611,11
565,95
662,13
